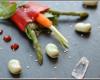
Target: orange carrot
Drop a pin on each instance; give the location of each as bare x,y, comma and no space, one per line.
41,19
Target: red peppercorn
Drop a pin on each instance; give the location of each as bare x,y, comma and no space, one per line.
14,46
7,38
1,31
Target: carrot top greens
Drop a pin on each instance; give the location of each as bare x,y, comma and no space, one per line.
7,9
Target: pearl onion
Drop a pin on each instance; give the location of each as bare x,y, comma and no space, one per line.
83,27
52,50
14,66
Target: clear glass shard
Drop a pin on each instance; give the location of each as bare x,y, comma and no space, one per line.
80,68
66,50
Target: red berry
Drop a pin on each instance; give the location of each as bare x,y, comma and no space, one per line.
1,31
14,46
7,38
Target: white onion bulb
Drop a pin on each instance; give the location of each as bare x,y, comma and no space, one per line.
14,66
83,27
52,50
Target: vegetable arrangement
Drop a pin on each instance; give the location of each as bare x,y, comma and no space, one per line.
33,18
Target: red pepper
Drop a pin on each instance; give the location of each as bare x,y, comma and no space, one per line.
27,13
21,19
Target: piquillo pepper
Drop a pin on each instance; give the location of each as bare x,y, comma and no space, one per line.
21,19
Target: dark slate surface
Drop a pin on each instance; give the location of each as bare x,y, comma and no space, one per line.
79,46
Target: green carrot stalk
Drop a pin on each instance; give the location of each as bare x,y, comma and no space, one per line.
63,41
81,14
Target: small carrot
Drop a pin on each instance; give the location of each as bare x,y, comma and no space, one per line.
43,21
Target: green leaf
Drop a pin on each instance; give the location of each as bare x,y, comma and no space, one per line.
52,17
48,15
4,2
7,9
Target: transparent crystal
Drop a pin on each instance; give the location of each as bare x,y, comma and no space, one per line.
27,67
66,50
30,55
80,68
36,60
69,57
55,67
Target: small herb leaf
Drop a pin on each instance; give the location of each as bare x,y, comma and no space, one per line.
7,9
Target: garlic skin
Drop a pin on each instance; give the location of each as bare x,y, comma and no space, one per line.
83,27
52,50
14,66
91,3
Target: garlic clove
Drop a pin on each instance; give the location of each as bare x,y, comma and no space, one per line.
14,66
52,50
83,27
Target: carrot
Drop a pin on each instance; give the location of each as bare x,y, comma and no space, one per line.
41,19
